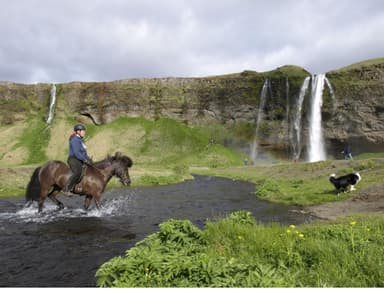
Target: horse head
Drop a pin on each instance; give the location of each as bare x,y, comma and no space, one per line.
121,164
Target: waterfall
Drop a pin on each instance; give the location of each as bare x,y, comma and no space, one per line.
260,116
296,144
52,104
316,150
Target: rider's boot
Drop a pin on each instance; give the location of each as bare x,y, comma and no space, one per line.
68,189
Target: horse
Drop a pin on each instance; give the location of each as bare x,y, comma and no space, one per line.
48,180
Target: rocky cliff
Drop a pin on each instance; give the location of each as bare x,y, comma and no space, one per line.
359,115
353,113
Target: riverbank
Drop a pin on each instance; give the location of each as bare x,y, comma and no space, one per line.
368,201
300,184
307,185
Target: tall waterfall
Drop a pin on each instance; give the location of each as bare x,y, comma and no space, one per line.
316,149
296,144
260,116
52,104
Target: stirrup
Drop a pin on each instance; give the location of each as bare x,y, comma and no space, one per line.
68,193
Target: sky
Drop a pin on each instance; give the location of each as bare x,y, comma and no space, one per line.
57,41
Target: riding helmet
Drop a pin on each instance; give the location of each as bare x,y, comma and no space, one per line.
79,126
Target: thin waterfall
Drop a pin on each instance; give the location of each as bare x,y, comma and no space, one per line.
52,104
296,144
316,149
260,116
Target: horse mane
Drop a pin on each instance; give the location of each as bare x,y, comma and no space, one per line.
125,160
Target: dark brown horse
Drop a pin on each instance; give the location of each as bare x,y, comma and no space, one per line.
49,179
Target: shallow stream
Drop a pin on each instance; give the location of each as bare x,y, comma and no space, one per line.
65,248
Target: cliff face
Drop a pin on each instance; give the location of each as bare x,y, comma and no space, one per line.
225,99
355,115
359,115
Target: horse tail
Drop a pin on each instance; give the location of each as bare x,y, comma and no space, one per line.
33,188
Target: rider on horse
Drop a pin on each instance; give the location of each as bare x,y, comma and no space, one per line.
77,157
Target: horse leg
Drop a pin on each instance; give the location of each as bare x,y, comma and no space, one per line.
52,195
97,197
87,202
41,202
43,195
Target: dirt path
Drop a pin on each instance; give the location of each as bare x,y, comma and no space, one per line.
369,200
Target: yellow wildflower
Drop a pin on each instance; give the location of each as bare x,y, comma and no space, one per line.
353,223
292,226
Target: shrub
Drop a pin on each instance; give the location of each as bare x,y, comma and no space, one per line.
237,252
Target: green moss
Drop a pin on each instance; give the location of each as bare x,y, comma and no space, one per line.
35,139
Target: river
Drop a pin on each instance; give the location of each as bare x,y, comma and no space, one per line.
65,248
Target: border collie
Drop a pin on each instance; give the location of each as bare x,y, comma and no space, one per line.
344,182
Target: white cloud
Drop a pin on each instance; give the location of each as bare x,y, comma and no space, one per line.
60,41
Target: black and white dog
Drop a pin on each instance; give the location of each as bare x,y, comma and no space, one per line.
345,182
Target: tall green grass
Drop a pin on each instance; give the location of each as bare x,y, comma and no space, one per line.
238,252
35,139
167,142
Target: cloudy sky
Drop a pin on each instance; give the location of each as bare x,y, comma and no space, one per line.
103,40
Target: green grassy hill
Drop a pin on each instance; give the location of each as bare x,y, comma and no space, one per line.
162,150
361,65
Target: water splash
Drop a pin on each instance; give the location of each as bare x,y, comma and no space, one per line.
120,206
260,116
52,104
296,144
316,147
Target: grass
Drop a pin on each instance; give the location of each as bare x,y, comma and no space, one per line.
238,252
301,183
164,142
35,139
162,150
362,64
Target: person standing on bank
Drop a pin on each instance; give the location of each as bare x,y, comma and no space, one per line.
77,157
347,152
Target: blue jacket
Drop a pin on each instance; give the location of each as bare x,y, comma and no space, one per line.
77,148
